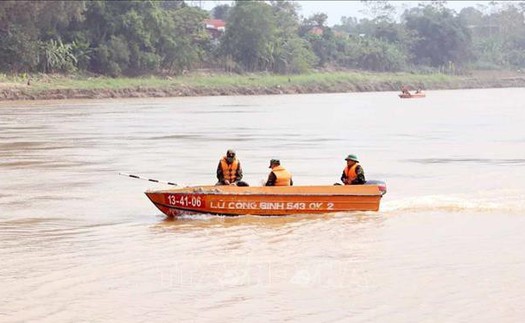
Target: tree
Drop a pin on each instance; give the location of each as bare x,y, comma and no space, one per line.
56,56
440,37
24,24
172,4
221,12
124,35
189,41
348,25
318,19
315,21
291,53
294,56
251,35
18,51
324,46
379,10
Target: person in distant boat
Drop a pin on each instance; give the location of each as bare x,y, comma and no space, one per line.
279,176
353,172
418,90
229,171
404,90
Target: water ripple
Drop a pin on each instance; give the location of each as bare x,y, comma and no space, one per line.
485,161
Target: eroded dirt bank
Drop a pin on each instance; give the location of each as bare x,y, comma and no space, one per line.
9,91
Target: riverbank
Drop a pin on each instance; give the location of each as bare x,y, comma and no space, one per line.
50,87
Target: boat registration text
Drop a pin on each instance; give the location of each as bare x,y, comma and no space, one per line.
196,201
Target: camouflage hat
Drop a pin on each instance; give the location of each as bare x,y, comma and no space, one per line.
230,153
352,157
274,162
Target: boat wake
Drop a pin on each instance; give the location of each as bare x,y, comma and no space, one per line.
491,201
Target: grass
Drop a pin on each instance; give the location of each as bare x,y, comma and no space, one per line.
45,82
314,82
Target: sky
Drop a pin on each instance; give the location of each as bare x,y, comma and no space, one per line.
337,9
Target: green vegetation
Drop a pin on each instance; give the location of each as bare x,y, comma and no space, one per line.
136,38
43,82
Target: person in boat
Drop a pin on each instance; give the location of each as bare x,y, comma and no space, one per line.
418,90
279,176
404,90
353,172
229,171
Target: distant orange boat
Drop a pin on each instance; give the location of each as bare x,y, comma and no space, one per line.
274,200
412,96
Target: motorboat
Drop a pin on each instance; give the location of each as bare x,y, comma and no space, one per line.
268,200
409,95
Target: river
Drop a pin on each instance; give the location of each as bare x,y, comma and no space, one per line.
80,243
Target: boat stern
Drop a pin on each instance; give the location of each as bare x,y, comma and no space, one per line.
381,185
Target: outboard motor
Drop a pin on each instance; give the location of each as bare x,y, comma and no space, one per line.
380,184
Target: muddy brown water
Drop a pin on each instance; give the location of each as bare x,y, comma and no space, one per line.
80,243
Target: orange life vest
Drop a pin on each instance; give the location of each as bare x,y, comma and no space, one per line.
283,176
350,173
229,170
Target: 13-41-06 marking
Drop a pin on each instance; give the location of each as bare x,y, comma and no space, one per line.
185,200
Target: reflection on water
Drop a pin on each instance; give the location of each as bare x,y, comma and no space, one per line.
79,242
200,222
